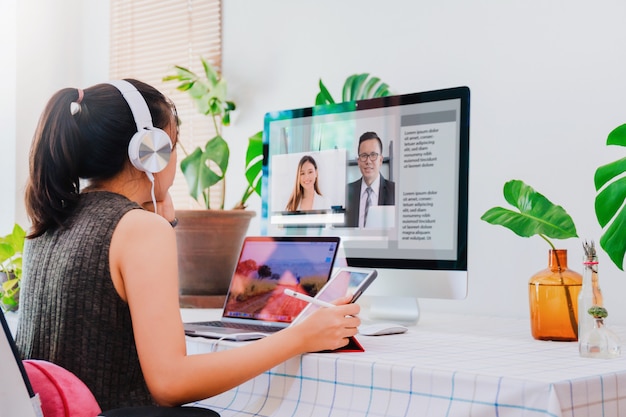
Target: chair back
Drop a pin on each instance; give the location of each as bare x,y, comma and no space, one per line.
63,393
16,393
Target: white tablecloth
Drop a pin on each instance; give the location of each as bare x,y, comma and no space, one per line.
448,365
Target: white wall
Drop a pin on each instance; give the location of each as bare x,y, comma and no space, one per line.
49,46
547,81
8,46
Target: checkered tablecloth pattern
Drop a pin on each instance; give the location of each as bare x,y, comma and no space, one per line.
448,365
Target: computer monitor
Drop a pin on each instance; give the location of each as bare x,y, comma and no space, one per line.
415,234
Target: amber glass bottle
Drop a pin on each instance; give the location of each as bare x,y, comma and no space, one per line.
553,296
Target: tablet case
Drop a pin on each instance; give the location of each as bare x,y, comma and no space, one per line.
352,346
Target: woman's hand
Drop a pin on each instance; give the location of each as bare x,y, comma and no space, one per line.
329,328
165,207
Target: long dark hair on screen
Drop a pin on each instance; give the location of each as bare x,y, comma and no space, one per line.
298,191
88,142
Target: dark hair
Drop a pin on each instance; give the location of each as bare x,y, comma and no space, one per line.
90,144
296,195
370,135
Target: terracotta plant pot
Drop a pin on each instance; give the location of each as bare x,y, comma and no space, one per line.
209,242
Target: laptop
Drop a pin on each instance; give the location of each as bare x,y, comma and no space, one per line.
256,304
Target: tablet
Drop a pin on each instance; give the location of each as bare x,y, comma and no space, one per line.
347,280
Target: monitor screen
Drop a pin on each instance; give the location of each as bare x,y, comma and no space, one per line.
388,175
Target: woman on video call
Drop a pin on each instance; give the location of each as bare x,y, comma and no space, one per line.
306,194
99,294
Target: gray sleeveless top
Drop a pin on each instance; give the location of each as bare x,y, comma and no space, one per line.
70,313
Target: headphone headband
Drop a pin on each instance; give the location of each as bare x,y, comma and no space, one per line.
136,102
150,148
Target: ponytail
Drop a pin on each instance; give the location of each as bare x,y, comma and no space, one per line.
82,135
53,187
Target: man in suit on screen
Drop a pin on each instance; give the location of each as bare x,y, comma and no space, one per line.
372,189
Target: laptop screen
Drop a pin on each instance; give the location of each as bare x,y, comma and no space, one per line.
269,265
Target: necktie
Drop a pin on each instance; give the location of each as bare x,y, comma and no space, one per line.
368,203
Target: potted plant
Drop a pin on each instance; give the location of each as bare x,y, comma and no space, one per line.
553,292
204,236
206,167
11,248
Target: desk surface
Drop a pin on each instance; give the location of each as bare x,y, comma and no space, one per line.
448,365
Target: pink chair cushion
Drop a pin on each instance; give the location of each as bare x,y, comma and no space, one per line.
61,392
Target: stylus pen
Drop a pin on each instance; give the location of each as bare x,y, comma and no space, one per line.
306,298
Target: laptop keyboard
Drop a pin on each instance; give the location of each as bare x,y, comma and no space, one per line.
242,326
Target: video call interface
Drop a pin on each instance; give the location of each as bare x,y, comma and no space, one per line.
425,157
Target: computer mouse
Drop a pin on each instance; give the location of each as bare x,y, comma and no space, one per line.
380,329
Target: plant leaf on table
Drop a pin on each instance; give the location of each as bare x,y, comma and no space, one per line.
610,186
537,215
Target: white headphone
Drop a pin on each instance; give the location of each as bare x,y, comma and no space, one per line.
150,148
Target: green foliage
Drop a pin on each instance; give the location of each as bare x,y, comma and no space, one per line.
11,248
355,87
204,168
610,186
254,164
598,312
536,216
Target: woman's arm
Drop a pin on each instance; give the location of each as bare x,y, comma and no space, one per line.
145,270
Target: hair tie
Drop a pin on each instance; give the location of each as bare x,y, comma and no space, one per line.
75,105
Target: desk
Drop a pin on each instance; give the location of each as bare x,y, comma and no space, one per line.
448,365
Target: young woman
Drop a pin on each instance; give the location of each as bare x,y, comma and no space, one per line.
306,193
99,295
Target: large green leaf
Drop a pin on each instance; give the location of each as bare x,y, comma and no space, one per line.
254,162
12,244
209,93
198,170
324,96
6,251
536,216
610,186
11,248
609,200
352,87
355,87
617,136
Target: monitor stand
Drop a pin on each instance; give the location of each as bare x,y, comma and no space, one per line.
402,310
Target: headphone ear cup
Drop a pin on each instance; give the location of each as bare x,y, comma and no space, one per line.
150,149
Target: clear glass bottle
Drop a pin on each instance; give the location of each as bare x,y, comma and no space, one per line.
590,293
599,341
553,297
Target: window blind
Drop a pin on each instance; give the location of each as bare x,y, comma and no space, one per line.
148,38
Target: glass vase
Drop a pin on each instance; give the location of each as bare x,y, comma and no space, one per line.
599,342
553,298
590,295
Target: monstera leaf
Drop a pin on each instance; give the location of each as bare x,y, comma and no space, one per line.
611,191
206,167
254,166
536,215
199,173
355,87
